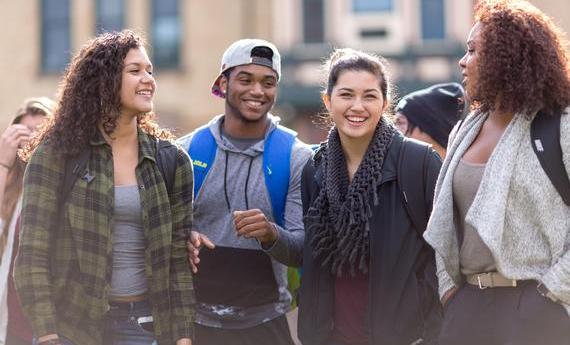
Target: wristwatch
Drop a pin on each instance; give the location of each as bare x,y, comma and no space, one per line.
543,291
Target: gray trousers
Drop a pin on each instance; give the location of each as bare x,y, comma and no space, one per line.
504,316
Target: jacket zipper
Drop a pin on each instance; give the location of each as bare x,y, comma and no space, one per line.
315,294
370,287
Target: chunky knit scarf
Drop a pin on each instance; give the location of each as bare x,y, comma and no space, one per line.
339,216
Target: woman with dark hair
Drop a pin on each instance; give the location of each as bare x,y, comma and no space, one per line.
14,328
109,266
368,275
500,229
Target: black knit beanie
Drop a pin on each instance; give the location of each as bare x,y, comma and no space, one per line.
434,110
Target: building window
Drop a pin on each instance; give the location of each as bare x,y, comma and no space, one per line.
110,15
313,21
166,33
433,19
372,5
55,35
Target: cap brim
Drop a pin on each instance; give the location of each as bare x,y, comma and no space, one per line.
216,90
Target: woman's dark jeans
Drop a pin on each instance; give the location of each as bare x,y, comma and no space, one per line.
125,325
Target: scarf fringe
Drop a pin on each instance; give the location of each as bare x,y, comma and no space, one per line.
339,216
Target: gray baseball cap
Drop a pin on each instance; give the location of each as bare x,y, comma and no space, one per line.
241,53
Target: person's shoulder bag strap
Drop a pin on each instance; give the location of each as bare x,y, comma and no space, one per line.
545,137
276,169
166,157
202,152
412,165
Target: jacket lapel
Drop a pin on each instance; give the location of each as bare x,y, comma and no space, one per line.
487,212
441,233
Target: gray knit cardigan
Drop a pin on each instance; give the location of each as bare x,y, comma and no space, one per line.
516,211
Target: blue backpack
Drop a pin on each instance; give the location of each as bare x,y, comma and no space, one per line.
276,170
276,164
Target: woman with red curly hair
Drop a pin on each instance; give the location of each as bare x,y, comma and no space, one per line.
500,229
110,266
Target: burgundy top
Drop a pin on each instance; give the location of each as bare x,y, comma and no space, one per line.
18,324
350,310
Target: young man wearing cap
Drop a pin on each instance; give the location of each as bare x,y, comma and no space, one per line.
247,208
430,114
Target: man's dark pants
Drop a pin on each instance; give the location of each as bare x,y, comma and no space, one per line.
274,332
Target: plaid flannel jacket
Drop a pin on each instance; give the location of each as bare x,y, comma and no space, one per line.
63,271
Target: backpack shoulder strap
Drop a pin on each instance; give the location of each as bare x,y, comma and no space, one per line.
166,155
75,167
202,151
276,168
545,138
412,165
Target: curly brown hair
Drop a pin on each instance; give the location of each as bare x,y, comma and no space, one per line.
90,95
522,63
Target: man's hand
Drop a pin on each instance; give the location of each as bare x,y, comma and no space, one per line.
194,244
184,341
254,224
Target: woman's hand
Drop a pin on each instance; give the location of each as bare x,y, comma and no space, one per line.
13,138
49,339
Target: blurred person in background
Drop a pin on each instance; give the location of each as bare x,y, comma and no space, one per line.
500,228
14,327
430,114
368,275
107,264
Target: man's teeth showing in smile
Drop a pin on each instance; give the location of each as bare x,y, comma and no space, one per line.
253,104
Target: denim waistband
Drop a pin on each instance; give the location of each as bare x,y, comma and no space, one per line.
139,308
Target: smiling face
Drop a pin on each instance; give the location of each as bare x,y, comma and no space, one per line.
137,83
250,92
468,63
356,104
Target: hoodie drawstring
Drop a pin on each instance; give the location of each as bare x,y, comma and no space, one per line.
247,182
226,181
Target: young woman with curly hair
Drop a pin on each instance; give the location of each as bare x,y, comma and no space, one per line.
110,266
14,328
500,229
368,275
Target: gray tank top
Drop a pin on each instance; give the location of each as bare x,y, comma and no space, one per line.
129,277
474,256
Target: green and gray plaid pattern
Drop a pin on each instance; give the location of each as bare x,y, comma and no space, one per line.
63,271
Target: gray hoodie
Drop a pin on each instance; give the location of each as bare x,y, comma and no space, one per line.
239,284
